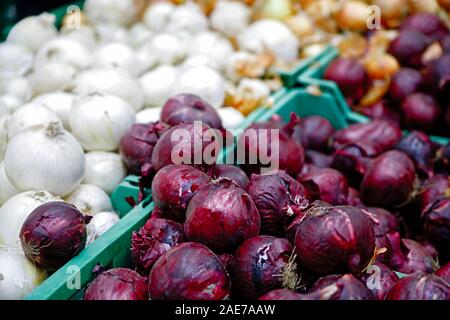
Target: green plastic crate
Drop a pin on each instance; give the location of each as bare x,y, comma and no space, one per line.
110,250
314,77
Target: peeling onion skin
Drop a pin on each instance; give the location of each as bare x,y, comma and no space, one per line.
259,264
335,240
389,181
420,286
117,284
278,198
190,271
52,234
379,279
221,215
155,238
417,257
350,288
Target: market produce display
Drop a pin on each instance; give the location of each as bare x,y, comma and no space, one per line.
156,89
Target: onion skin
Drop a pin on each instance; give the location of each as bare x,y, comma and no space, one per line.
278,198
420,286
389,181
350,288
444,272
418,257
260,263
136,146
421,149
173,187
420,111
322,252
332,184
427,23
190,271
155,238
350,76
408,47
117,284
186,108
221,215
162,152
431,190
230,172
405,82
386,277
291,162
436,224
53,234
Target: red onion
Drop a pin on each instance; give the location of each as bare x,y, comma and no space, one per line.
444,272
326,293
350,288
420,286
52,234
445,43
353,162
189,143
318,159
294,128
436,224
350,76
261,264
332,184
230,172
136,146
117,284
389,181
155,238
187,108
431,190
427,23
418,257
374,137
221,215
189,271
353,198
405,82
291,153
408,47
278,198
437,76
318,131
421,149
335,240
379,279
381,111
420,111
227,260
173,187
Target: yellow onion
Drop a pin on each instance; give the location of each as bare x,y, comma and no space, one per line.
353,46
273,9
444,4
321,12
381,66
392,11
377,91
423,6
353,15
301,24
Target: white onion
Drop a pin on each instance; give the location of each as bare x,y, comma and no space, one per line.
63,49
204,82
230,17
59,102
14,212
4,119
83,34
157,15
52,76
211,44
116,55
254,89
197,61
110,81
100,121
231,117
270,36
166,48
139,34
30,114
157,85
33,31
11,102
18,275
89,199
7,190
104,170
45,158
148,115
19,87
100,223
15,60
107,33
121,12
187,18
